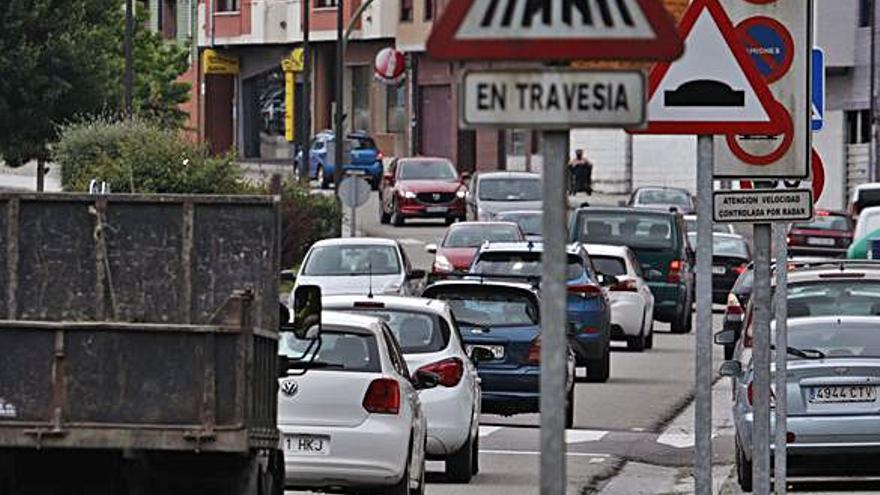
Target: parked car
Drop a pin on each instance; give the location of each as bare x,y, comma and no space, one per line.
529,221
588,305
501,327
422,188
494,192
735,309
721,228
358,265
833,421
864,196
731,255
829,233
663,198
632,303
353,420
460,243
659,240
364,156
431,341
867,228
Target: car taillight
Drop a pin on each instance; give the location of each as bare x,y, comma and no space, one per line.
450,371
585,289
675,268
625,286
739,270
383,397
751,395
534,356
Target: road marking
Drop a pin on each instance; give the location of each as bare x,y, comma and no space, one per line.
583,436
410,242
485,431
677,440
597,457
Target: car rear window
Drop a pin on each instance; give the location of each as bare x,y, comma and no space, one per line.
362,143
525,264
472,236
488,306
664,197
835,341
417,333
339,351
827,222
833,298
609,265
529,223
351,260
510,189
633,229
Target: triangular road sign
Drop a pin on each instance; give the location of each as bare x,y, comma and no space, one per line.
714,88
555,30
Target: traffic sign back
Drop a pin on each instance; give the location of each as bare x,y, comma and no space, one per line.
555,30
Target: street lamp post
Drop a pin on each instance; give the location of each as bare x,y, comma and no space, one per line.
339,134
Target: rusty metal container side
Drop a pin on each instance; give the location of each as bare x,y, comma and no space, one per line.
143,322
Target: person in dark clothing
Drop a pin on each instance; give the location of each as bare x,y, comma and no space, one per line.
581,170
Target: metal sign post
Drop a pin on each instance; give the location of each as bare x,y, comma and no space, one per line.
781,376
354,192
703,370
553,315
761,357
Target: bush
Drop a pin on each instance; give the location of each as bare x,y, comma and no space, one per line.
139,156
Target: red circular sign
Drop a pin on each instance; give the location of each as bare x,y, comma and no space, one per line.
817,184
390,66
752,158
768,44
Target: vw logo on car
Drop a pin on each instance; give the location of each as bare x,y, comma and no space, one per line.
289,387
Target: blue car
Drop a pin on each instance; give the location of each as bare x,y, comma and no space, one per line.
365,157
502,319
588,305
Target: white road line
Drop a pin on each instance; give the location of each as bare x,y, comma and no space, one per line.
599,457
583,436
410,242
677,440
485,431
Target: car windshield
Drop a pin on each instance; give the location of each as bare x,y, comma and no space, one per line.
426,170
609,265
633,229
835,340
487,306
417,333
339,351
523,264
472,236
833,298
664,197
348,260
510,189
529,222
826,222
724,245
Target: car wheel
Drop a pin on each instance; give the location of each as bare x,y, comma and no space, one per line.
384,218
396,217
475,457
598,370
375,183
743,469
323,180
649,340
639,342
682,322
460,465
569,409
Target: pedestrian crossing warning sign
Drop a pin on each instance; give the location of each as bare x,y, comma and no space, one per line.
555,30
714,88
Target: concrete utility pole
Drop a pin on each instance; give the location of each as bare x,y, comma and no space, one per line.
339,132
128,77
306,93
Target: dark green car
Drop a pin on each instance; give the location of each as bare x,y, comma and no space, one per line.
659,240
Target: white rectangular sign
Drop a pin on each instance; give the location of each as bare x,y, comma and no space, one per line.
552,99
760,206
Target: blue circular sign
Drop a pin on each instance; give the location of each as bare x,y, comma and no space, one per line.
768,44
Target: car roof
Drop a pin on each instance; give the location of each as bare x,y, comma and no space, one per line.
425,159
390,302
626,209
482,224
509,175
521,247
336,320
606,250
853,270
869,210
355,241
488,281
519,212
663,188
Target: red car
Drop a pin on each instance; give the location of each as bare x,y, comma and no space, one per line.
830,233
461,242
422,188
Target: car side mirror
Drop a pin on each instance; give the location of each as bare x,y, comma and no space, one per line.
480,355
431,248
725,337
653,275
730,369
424,380
288,276
307,307
416,275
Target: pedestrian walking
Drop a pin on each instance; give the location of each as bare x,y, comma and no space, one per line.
581,171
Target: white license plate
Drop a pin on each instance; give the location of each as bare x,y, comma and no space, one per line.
719,270
310,445
848,393
820,241
496,350
436,209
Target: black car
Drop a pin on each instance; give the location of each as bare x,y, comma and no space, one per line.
731,256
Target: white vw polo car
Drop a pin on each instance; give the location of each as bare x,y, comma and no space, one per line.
430,340
353,420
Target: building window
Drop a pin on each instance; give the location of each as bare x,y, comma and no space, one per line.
396,118
360,97
429,10
227,5
865,13
325,4
406,10
168,19
858,125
